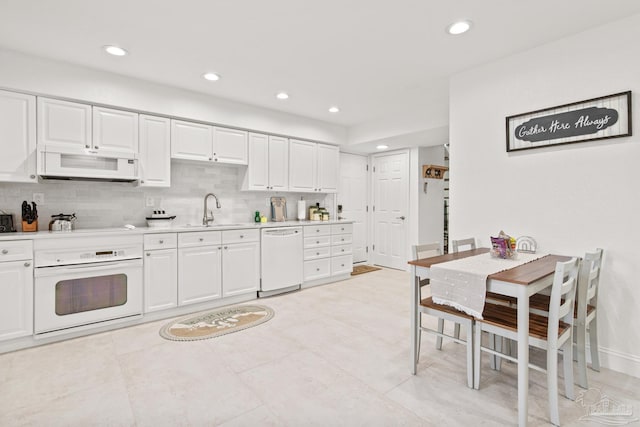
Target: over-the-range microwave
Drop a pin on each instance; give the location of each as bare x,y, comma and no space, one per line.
54,163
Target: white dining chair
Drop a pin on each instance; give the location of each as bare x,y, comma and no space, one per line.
445,312
427,250
585,314
550,333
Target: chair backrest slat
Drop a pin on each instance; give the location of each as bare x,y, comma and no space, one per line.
564,286
426,250
457,244
588,282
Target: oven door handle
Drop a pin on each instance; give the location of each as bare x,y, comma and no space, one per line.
91,267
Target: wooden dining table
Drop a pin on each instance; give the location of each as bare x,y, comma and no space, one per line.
520,282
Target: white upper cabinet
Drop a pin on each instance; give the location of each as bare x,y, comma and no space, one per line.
155,151
302,166
278,163
257,175
115,130
328,160
230,146
191,141
64,125
268,163
17,137
313,167
197,141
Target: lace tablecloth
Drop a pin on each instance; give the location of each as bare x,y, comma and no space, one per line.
462,283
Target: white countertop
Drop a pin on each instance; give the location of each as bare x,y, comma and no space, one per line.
174,228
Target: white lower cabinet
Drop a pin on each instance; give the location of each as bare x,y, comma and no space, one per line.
16,289
160,272
327,251
199,267
240,262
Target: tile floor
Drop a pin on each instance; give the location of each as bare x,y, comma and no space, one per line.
335,355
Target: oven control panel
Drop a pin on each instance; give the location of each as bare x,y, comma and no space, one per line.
50,254
103,255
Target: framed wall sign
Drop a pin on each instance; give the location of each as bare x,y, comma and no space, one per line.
598,118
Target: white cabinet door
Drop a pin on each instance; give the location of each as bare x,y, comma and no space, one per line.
155,151
240,268
16,299
115,130
328,160
62,124
17,137
191,141
257,177
160,280
199,274
230,146
302,166
278,163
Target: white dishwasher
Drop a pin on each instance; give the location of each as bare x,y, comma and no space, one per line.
282,268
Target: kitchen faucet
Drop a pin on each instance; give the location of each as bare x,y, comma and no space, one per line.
207,218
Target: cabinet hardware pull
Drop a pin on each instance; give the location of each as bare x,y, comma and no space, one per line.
5,251
318,253
226,247
27,264
343,265
87,146
161,241
216,159
32,176
210,158
317,269
317,242
242,236
148,254
142,181
96,147
201,239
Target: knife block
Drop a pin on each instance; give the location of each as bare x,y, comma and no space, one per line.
26,227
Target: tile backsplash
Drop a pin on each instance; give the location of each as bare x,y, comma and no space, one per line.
109,204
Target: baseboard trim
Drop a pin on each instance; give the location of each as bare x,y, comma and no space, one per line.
618,361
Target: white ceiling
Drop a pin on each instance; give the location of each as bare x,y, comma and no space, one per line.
372,58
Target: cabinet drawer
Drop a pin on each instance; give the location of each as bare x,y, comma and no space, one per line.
314,242
201,238
341,239
240,236
16,250
341,265
317,230
321,252
160,241
317,269
340,250
341,228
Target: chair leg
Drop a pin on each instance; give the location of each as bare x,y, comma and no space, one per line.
477,344
418,338
470,378
580,354
593,344
440,330
456,330
552,383
492,345
498,346
567,362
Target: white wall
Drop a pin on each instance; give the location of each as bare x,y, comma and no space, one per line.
426,210
571,198
29,73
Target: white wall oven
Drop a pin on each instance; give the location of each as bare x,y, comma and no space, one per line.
82,281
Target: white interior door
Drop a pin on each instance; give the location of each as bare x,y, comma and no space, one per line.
352,195
390,207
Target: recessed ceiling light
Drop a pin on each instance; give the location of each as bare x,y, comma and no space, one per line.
115,50
282,95
382,147
459,27
212,77
334,110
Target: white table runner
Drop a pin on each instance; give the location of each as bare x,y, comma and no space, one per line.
462,283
